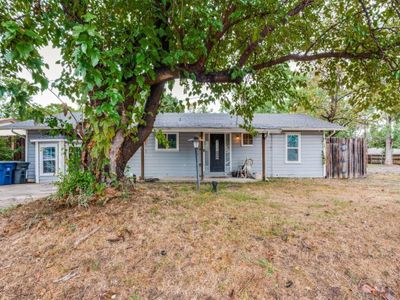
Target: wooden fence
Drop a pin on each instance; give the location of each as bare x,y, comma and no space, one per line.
346,158
380,159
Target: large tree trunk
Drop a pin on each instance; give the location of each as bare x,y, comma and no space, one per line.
124,147
388,146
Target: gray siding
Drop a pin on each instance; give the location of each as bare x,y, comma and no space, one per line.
181,164
166,163
37,135
241,153
311,156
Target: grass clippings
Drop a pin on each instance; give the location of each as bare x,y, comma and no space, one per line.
283,239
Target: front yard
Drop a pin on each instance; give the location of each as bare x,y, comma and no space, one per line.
284,239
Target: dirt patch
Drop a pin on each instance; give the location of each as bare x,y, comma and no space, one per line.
319,239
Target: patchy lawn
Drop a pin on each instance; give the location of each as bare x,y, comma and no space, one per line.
319,239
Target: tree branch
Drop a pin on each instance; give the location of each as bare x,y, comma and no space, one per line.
268,29
215,38
224,76
316,56
373,36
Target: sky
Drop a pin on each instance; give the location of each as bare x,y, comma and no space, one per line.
51,56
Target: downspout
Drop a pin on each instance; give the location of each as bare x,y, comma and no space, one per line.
272,155
17,134
266,155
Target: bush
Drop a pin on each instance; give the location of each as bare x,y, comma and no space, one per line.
6,153
77,186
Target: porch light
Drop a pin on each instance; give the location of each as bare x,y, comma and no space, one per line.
196,142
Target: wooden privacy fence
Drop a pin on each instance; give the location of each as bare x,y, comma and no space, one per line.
380,159
346,157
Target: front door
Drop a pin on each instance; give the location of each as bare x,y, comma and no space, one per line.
48,159
217,153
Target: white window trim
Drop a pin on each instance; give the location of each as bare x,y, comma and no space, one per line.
299,148
167,149
246,145
44,145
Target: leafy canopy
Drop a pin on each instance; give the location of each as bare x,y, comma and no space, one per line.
117,55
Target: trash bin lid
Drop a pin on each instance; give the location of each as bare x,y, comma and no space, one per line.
7,164
22,165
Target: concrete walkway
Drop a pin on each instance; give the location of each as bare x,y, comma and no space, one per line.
21,193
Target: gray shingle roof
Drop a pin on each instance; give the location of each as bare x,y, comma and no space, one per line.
260,121
213,120
31,124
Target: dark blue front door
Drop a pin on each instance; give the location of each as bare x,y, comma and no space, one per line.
217,153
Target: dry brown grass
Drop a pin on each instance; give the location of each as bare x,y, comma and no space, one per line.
283,239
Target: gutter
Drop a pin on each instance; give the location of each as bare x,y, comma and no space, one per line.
17,134
313,129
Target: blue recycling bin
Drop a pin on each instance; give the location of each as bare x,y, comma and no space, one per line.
7,172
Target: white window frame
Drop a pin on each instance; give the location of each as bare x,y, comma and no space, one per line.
242,140
41,167
168,149
298,147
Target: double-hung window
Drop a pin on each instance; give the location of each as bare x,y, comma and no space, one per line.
172,143
293,148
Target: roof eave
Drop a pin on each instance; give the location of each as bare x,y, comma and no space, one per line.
313,129
215,129
24,128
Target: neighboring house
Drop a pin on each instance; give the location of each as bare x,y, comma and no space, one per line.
293,146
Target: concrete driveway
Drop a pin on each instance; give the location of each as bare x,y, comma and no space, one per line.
21,193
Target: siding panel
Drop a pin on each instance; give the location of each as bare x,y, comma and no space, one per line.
311,157
166,163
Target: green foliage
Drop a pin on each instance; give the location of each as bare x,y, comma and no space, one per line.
378,132
78,185
6,153
170,103
115,54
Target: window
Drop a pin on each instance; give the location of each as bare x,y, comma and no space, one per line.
216,149
247,139
48,160
172,143
292,148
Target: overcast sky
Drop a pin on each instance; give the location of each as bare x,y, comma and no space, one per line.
50,56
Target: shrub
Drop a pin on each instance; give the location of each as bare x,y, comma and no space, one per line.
6,153
78,185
